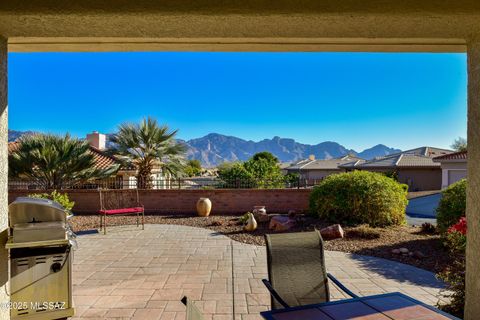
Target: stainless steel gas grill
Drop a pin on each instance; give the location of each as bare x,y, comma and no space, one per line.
40,245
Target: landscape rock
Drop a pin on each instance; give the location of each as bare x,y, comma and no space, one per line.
332,232
403,250
281,223
395,251
292,213
419,255
262,217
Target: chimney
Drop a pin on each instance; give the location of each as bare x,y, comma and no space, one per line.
97,140
311,157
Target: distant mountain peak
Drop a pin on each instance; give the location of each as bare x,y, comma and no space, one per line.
222,148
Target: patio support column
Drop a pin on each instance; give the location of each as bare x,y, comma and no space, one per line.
4,313
472,307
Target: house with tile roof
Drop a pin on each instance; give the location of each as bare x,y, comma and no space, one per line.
317,169
414,167
454,167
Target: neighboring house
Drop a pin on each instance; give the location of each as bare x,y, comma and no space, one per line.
312,169
127,176
414,167
454,167
284,167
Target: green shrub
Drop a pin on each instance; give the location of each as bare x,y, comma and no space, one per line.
61,198
452,205
360,197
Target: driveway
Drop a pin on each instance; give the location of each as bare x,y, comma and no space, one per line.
423,209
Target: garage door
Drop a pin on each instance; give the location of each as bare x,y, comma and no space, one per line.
455,175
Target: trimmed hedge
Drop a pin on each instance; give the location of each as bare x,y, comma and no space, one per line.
360,197
452,205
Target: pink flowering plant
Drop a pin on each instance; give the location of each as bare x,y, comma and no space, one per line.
456,237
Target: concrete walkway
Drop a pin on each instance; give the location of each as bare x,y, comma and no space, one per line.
130,273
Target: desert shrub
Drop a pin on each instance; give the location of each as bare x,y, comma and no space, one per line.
454,277
364,232
429,228
452,205
61,198
360,197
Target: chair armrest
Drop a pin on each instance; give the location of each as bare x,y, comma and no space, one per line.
341,286
274,293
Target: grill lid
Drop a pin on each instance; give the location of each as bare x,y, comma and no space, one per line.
32,210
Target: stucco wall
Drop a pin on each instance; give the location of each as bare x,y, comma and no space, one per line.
318,174
4,314
454,165
421,179
472,308
236,201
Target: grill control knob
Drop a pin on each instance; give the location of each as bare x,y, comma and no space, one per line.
56,267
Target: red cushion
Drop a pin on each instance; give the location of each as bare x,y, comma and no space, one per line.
124,210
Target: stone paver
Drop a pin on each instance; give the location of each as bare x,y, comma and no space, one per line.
130,273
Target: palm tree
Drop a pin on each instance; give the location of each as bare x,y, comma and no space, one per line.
146,145
55,162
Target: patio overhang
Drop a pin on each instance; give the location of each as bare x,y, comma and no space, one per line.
305,25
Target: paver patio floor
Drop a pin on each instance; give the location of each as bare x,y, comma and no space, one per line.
130,273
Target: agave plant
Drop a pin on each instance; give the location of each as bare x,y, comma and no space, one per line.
148,145
55,162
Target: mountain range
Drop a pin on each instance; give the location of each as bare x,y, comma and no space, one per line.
216,148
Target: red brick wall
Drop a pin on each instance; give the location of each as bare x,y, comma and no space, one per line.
231,201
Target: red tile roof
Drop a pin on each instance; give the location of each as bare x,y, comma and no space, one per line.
461,155
102,160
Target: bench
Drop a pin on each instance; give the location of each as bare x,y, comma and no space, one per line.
119,202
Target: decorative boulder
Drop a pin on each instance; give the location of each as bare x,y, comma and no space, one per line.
260,214
281,223
332,232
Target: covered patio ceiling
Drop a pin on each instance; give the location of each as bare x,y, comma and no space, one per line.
308,25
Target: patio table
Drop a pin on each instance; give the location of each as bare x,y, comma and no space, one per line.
378,307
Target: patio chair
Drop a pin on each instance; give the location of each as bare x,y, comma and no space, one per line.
296,270
119,202
193,313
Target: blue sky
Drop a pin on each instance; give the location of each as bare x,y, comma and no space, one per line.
356,99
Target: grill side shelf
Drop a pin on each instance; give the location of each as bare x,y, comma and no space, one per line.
16,245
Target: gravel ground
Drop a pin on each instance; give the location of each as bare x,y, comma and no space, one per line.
381,245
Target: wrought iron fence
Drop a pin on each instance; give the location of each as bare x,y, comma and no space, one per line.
164,184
